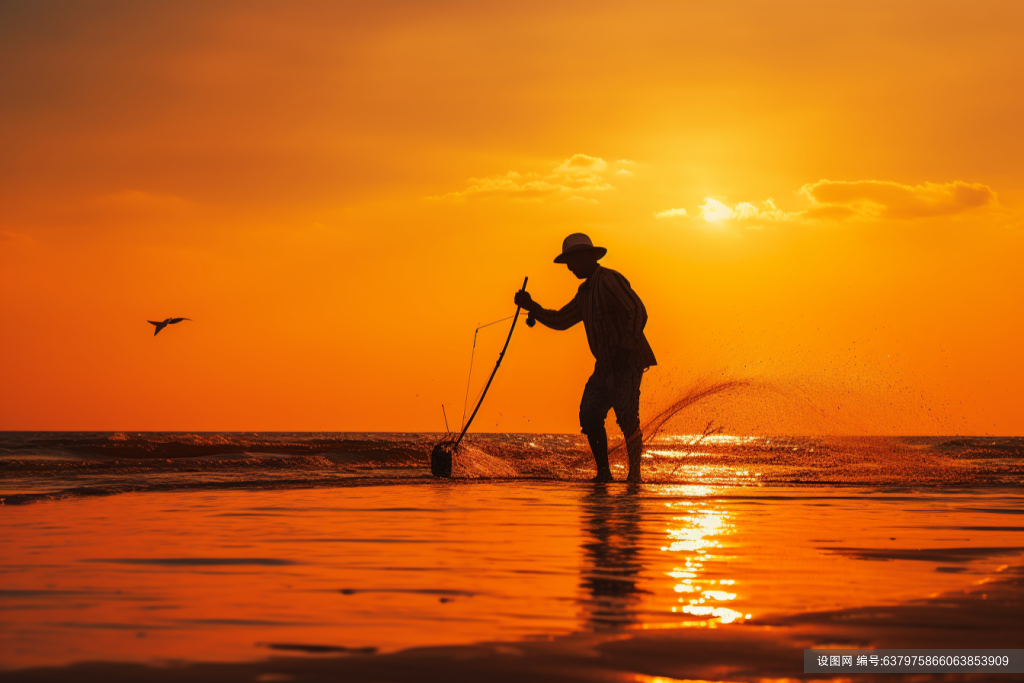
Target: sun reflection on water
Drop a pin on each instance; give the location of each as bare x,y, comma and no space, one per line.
708,457
725,439
669,453
698,528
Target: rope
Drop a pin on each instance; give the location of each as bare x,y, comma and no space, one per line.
465,401
497,364
508,317
472,355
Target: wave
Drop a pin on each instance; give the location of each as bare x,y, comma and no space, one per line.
164,445
31,472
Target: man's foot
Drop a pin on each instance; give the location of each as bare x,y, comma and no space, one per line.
603,477
635,449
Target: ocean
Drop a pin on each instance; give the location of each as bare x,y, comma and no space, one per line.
59,465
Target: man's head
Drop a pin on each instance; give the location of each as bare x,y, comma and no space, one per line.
582,263
580,255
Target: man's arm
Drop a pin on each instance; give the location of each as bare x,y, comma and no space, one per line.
562,319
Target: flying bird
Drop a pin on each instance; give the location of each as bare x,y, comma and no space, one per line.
164,323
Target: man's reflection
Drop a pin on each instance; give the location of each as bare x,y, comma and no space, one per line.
611,553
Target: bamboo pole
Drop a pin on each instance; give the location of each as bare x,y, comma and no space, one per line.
515,318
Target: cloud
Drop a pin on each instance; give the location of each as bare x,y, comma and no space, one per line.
511,183
670,213
828,212
578,175
581,163
887,199
840,200
620,163
715,211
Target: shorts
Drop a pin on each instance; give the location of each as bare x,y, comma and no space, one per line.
612,387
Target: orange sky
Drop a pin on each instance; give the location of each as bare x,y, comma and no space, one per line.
824,197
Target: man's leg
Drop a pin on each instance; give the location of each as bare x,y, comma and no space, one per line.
635,447
627,414
594,407
599,447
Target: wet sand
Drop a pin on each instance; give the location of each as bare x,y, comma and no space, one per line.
564,581
982,616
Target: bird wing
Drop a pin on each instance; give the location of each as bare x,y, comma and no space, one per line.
174,321
159,326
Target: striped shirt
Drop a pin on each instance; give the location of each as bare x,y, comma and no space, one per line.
611,313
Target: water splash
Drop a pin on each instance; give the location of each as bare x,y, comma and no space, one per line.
576,462
472,462
699,391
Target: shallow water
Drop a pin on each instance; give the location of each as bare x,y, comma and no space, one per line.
40,465
241,574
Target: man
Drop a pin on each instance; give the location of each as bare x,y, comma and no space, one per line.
614,318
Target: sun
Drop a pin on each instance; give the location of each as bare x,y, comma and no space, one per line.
714,211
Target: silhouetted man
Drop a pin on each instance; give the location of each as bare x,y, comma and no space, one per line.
614,318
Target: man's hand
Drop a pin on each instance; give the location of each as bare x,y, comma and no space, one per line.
525,301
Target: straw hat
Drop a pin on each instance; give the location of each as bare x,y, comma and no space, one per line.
578,242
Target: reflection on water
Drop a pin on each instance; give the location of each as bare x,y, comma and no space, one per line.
619,565
225,575
686,439
698,528
611,557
